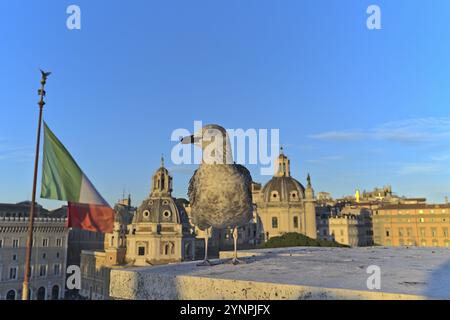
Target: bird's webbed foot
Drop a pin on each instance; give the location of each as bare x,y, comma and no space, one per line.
236,261
204,263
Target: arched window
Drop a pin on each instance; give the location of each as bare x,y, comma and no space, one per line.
162,181
11,295
274,222
55,292
41,293
295,222
166,249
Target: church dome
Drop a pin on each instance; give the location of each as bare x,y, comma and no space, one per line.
283,189
160,206
160,210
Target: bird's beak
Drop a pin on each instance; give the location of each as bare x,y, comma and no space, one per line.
189,139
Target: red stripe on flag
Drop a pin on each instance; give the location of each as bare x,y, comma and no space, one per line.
91,217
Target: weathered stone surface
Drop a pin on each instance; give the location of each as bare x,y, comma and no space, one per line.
295,273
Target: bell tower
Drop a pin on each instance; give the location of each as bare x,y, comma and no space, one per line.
161,181
310,210
283,165
115,242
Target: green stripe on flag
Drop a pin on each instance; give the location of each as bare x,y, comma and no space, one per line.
61,176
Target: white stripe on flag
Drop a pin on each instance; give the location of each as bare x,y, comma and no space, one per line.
88,193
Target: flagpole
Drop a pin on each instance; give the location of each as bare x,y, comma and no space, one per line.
26,281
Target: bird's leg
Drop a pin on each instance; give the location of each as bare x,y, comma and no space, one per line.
205,261
235,259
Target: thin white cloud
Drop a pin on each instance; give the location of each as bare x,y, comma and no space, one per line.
441,157
18,154
414,130
405,131
414,169
338,135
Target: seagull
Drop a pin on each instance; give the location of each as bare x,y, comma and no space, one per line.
220,190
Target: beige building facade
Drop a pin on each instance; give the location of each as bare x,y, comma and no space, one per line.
351,226
284,204
157,233
424,225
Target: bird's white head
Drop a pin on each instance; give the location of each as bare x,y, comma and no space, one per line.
215,144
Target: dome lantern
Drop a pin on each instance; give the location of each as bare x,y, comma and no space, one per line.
283,165
161,181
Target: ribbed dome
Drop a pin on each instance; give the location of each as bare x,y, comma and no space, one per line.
157,210
283,189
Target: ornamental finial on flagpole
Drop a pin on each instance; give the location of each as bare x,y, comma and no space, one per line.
41,91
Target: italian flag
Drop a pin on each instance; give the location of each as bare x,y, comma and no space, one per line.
62,179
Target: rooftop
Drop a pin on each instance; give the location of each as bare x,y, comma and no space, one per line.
295,273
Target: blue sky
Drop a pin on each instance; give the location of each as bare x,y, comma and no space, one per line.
356,108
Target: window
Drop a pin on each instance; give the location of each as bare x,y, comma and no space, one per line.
409,232
42,270
57,255
1,243
14,257
59,242
15,243
433,232
56,269
296,222
13,273
422,220
55,292
141,251
41,293
11,295
422,232
445,232
45,242
274,222
166,249
400,232
387,233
